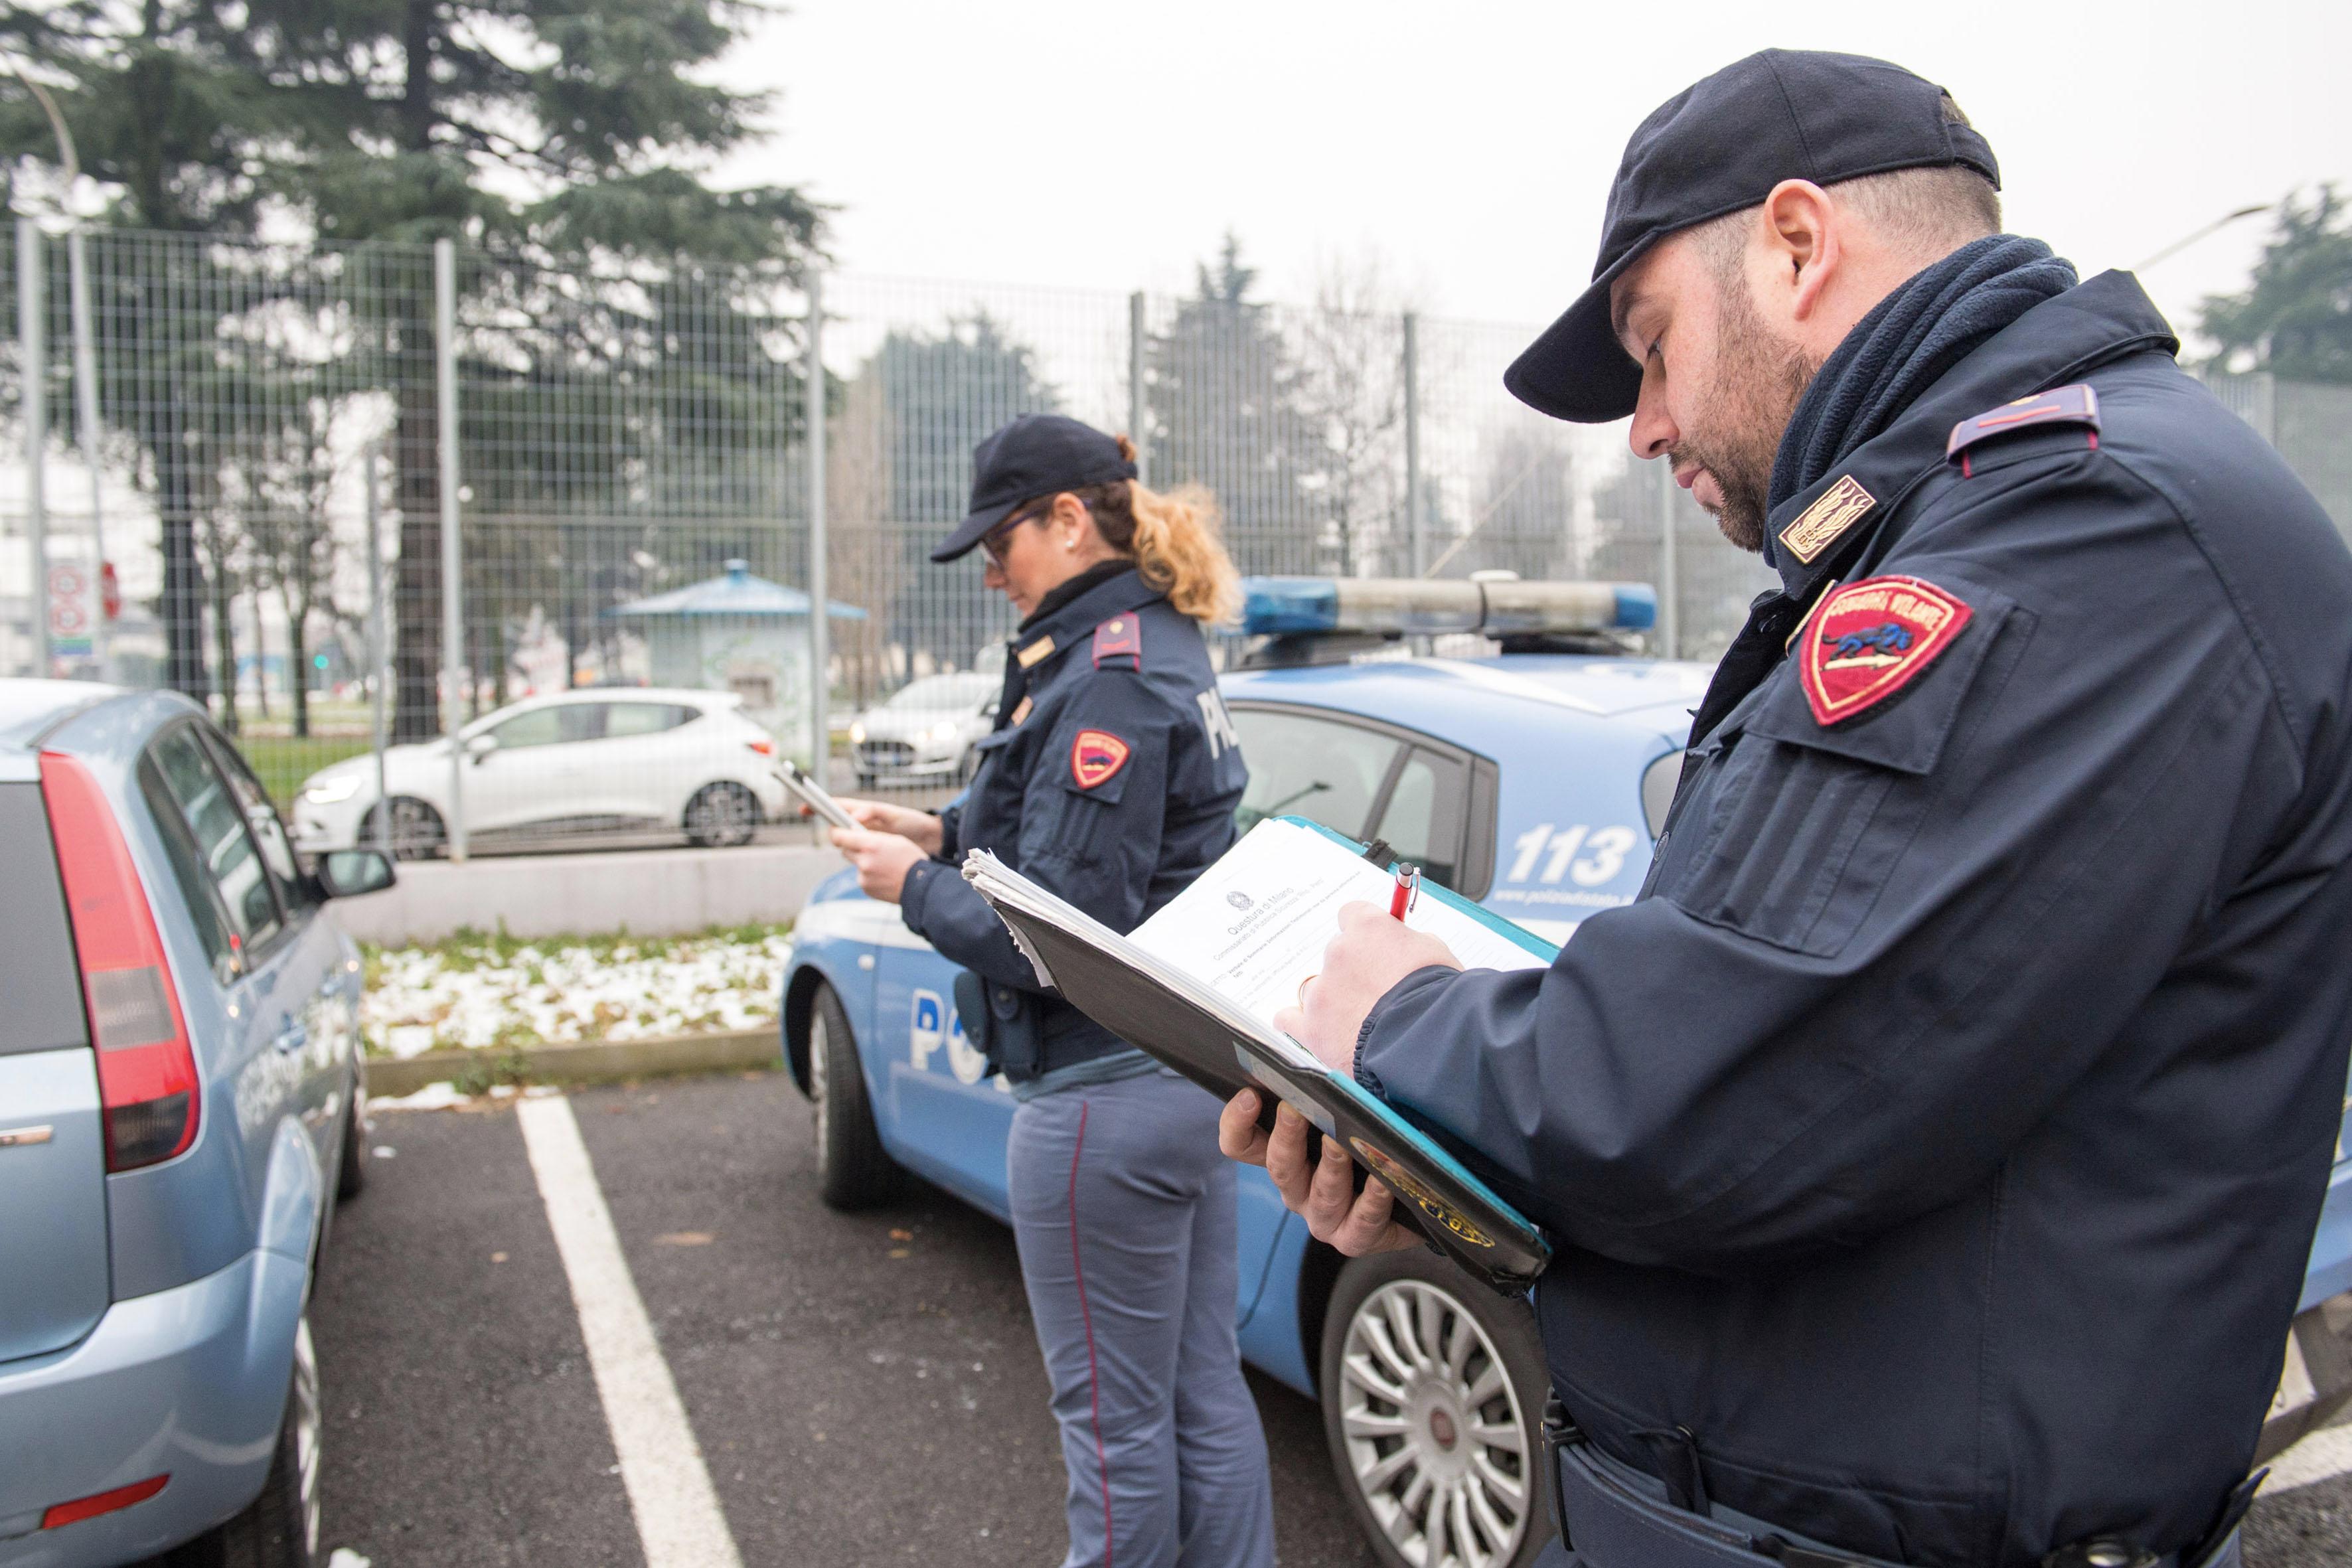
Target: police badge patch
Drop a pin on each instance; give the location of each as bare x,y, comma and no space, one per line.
1870,639
1095,756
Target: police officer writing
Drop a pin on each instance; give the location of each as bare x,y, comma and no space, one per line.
1111,777
1935,1146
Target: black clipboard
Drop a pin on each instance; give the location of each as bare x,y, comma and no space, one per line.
1182,1023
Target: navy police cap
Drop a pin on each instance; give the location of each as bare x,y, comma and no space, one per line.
1719,146
1036,454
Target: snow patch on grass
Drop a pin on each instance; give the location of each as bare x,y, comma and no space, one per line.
474,990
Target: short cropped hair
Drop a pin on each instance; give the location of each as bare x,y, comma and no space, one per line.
1929,213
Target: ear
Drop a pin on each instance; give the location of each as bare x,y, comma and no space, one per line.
1070,520
1803,238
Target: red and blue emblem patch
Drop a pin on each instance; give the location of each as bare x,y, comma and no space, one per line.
1872,638
1096,757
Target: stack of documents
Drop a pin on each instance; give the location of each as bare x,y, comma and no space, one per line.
1197,985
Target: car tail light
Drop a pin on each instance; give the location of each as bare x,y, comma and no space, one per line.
146,1070
763,745
91,1507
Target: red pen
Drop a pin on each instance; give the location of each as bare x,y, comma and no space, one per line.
1408,891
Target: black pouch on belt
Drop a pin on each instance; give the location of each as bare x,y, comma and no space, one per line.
1003,1023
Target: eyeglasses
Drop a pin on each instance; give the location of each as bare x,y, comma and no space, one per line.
992,542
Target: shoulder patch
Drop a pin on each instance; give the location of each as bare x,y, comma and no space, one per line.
1870,639
1816,527
1121,636
1095,756
2076,404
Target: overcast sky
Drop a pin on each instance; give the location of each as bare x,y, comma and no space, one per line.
1471,145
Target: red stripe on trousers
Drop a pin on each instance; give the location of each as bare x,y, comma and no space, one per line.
1086,1316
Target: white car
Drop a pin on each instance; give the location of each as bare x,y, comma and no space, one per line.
926,730
579,761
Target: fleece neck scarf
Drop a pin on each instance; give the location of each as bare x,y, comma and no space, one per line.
1909,339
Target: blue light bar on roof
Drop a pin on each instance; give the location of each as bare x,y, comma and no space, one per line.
1295,606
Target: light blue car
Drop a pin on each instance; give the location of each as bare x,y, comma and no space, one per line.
1532,781
180,1104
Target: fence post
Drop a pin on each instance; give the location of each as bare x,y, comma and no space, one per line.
1138,422
379,646
85,363
32,319
820,638
453,674
1670,598
1414,541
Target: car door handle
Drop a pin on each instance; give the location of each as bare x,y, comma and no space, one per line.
18,1137
293,1037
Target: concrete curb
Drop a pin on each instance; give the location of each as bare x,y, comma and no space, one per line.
600,1061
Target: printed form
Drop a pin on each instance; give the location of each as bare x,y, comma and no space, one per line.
1254,925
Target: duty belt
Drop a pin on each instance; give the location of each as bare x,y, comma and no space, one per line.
1613,1516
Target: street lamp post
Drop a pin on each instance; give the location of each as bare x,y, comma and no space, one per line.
2186,240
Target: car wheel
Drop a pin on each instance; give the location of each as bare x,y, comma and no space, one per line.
865,781
721,814
279,1528
417,830
853,1170
1433,1394
350,1172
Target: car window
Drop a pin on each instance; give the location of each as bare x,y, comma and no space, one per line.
539,727
946,693
1422,820
623,719
198,896
225,854
1320,769
37,971
261,817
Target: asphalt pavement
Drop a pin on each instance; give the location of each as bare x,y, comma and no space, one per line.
865,1388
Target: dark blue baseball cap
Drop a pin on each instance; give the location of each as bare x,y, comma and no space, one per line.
1720,146
1036,454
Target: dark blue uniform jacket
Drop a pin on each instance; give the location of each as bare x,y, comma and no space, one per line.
1111,778
1940,1138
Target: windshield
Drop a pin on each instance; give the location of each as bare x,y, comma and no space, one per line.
935,693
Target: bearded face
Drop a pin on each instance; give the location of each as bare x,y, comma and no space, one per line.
1733,428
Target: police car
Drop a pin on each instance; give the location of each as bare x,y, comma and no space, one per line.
1527,764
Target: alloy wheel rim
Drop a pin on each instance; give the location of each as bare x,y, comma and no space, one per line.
1433,1429
310,1426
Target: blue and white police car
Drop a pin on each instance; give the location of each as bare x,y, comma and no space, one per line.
1530,775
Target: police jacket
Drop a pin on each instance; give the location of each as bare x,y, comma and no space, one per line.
1111,778
1938,1141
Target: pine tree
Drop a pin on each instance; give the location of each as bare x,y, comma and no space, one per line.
2294,318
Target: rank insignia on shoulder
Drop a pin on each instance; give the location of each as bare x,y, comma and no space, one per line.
1121,636
1870,639
1818,527
2076,404
1095,756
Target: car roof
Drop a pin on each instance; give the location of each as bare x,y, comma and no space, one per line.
30,709
1482,704
697,696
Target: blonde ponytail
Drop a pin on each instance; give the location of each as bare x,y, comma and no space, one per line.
1177,541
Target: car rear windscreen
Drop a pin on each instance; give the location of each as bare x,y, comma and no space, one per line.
39,974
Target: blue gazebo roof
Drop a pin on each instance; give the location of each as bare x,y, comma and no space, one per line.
738,593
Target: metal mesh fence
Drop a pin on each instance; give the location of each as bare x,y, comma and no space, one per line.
234,451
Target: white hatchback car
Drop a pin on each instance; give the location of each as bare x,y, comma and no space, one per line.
615,758
925,732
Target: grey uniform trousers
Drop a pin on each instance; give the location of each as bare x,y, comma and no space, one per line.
1124,1213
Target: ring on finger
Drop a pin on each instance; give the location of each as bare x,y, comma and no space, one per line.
1303,984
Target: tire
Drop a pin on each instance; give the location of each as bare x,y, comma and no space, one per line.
1473,1491
865,781
854,1171
351,1171
722,814
279,1528
417,832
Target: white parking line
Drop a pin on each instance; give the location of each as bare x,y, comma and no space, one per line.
2322,1456
679,1518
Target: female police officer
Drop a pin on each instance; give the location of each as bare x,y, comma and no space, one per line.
1111,778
